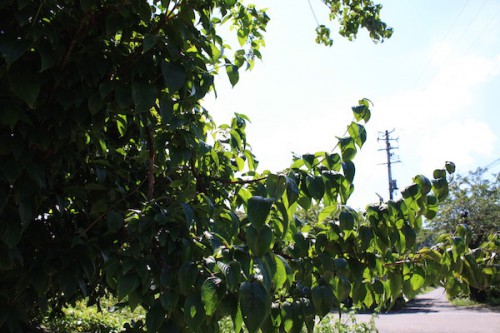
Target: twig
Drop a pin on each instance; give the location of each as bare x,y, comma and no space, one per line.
239,181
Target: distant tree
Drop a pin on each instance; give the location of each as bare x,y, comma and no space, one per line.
474,201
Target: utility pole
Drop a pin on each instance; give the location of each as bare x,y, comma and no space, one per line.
386,137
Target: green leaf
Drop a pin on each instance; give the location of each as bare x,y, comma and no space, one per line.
417,280
322,299
440,188
292,190
395,282
26,213
24,85
12,48
169,300
276,185
259,240
347,148
357,133
258,209
231,272
410,236
242,35
155,317
232,74
315,187
149,42
309,160
439,173
327,212
126,284
365,236
187,275
114,220
424,183
342,288
194,312
174,76
432,207
450,167
346,220
12,235
362,111
212,291
144,95
255,304
274,269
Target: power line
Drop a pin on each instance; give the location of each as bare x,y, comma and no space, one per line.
442,41
312,11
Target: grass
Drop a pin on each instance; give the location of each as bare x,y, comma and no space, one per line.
464,302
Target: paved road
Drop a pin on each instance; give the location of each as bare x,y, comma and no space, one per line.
431,313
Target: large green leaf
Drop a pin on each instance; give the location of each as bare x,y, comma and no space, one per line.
24,85
259,240
315,187
347,148
194,312
276,185
144,95
174,76
12,48
327,212
255,304
155,317
322,299
258,209
187,276
126,284
274,270
357,133
212,291
417,280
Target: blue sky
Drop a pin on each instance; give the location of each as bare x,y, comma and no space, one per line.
436,83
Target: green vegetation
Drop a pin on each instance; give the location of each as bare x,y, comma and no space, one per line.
115,180
107,318
474,205
474,201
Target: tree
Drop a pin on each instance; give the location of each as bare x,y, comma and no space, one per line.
475,202
114,178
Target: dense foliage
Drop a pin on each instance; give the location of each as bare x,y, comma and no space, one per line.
114,178
474,201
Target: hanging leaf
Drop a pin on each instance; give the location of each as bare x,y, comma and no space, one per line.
315,187
144,95
126,284
259,240
322,299
173,75
258,209
194,312
276,185
255,304
212,291
357,133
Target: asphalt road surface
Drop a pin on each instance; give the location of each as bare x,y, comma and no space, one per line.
431,313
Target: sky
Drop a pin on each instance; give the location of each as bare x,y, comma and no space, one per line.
435,84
